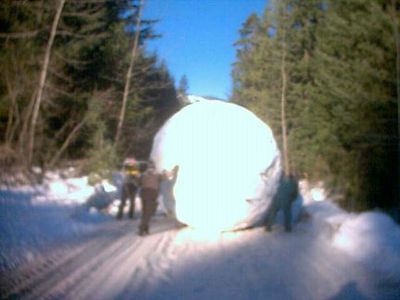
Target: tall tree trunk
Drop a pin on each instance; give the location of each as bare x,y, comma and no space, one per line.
129,74
25,119
397,45
42,81
283,106
13,118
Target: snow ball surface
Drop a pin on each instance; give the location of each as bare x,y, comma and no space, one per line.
221,149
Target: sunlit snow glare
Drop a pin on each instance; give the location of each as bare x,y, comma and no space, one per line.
221,149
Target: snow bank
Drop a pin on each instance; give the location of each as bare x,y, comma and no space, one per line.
65,191
221,149
61,209
373,238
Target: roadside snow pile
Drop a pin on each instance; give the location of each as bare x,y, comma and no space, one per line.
372,238
221,149
66,191
35,217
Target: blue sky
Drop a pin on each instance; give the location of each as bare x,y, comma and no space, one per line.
198,37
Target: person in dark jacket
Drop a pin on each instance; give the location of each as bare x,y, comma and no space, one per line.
285,196
129,187
150,182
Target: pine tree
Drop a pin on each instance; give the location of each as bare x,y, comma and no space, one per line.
90,54
355,88
183,85
182,90
275,68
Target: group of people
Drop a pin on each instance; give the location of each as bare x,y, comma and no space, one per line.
146,180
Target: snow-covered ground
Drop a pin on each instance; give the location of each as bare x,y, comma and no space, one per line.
35,220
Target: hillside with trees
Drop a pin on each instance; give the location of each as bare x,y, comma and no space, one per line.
77,84
325,76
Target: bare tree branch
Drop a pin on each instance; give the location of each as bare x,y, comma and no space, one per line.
71,61
19,35
129,73
43,75
67,141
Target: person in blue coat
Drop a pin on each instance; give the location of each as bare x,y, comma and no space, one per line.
286,194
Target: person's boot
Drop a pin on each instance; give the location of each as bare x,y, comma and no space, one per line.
143,232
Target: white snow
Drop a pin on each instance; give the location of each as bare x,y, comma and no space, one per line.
221,149
27,226
196,98
34,217
372,238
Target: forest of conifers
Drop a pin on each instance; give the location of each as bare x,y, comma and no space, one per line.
87,107
333,66
77,85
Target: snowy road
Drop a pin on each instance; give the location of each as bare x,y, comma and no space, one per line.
184,264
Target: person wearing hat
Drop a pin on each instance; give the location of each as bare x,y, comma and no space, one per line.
150,182
129,186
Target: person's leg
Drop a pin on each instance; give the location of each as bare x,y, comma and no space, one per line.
271,213
287,211
123,201
154,205
149,198
146,211
132,195
143,226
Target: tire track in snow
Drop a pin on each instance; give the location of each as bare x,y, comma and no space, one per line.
39,279
101,267
108,274
175,264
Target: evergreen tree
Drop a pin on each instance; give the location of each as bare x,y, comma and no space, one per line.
355,92
182,90
339,64
279,50
84,82
183,85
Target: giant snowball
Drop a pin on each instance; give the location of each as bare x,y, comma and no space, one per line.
221,149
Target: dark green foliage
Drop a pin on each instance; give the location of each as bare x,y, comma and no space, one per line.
183,85
85,81
356,92
341,91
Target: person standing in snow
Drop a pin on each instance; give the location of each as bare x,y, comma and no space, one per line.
286,194
166,190
129,187
150,182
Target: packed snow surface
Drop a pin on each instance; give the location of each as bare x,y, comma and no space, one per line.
49,251
221,149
